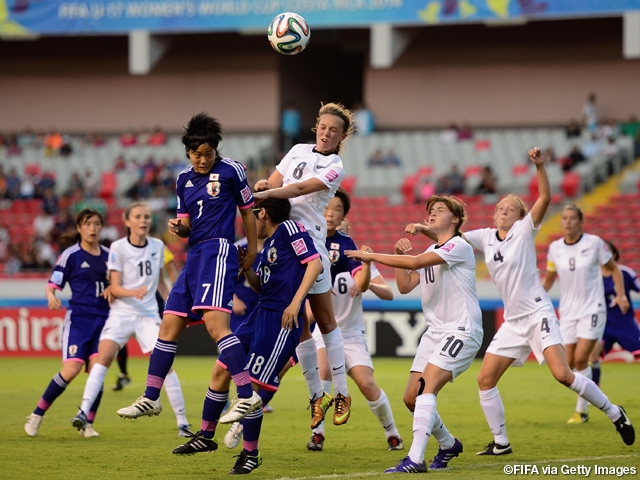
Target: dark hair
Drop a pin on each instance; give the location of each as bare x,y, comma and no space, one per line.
345,198
575,208
127,212
278,209
614,250
72,237
453,204
202,129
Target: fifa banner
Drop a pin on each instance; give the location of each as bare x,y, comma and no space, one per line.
60,17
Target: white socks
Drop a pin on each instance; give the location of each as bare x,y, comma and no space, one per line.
582,406
441,434
308,359
493,409
335,354
176,399
326,385
382,410
585,387
423,419
93,386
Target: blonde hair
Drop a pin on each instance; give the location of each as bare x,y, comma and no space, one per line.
342,113
576,209
517,200
453,204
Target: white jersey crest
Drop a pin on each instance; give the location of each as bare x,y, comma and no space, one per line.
512,265
449,296
303,163
140,266
578,269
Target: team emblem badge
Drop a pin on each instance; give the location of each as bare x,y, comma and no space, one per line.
213,188
334,255
73,349
272,255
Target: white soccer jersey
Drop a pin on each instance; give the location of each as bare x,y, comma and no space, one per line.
140,266
512,265
449,296
578,268
303,163
348,310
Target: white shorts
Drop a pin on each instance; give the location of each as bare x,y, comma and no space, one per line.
121,327
323,282
531,333
589,327
452,351
356,353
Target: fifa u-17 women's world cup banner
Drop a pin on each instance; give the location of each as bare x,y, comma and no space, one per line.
54,17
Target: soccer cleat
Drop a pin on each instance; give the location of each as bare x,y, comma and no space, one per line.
624,427
183,430
121,382
444,456
342,409
407,466
141,407
79,421
578,417
33,424
316,443
233,436
319,408
241,407
395,443
496,449
267,409
88,431
197,444
246,464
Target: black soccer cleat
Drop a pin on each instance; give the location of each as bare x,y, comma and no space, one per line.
121,382
316,443
197,444
624,427
246,464
496,449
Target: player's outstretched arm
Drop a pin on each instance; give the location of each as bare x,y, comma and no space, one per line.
292,190
414,228
544,190
362,278
290,315
379,286
409,262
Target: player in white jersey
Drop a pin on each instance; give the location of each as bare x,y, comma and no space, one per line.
309,176
577,259
446,273
136,272
350,279
530,320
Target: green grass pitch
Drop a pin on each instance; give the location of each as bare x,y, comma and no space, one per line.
537,410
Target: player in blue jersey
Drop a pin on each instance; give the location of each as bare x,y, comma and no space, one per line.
245,298
84,267
288,267
209,193
309,176
620,328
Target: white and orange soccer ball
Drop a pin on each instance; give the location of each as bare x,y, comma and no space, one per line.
289,33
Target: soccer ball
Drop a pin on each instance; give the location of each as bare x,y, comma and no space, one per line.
289,33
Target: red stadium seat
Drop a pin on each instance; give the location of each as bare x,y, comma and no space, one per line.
349,184
108,185
571,184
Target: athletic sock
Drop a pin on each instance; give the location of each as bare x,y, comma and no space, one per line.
585,387
123,354
93,410
53,391
335,354
159,365
214,404
93,387
441,434
596,372
382,410
236,361
308,359
423,418
251,426
493,409
582,406
326,385
319,430
176,399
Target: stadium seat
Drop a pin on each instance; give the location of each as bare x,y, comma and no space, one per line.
571,184
108,185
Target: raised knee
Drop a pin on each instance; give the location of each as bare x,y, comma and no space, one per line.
485,382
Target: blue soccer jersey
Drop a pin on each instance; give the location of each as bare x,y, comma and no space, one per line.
340,263
631,282
210,200
87,277
282,264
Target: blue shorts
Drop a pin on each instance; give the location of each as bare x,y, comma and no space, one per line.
626,333
80,336
269,347
206,281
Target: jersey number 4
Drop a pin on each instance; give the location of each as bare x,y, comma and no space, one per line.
497,257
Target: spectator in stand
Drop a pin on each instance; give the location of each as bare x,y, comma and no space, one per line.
12,144
44,252
48,180
128,139
290,126
43,224
27,187
631,127
456,180
592,148
75,184
590,112
64,224
449,134
424,189
87,200
13,183
5,241
4,185
488,182
26,138
573,130
90,183
550,155
363,119
66,149
120,164
52,143
607,129
377,159
49,201
575,157
28,260
391,159
610,151
13,263
157,138
465,132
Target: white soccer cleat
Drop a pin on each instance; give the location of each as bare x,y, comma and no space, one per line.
141,407
88,431
233,436
241,407
33,424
